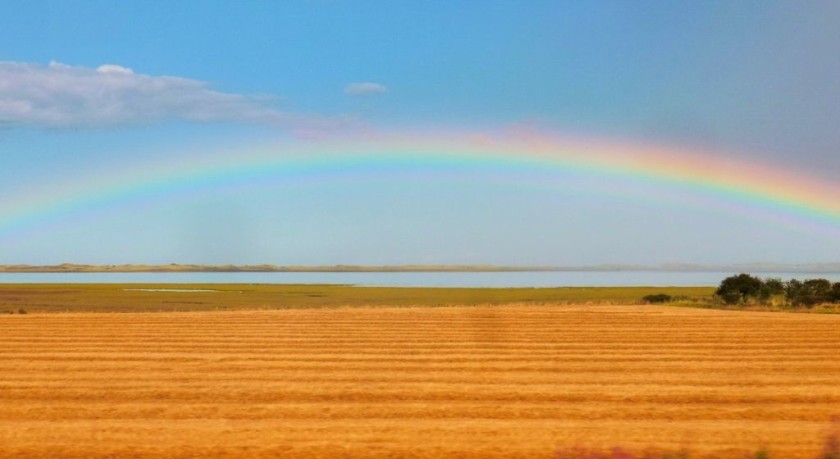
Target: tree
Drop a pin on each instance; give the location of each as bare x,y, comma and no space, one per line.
771,287
739,288
792,288
809,292
835,292
820,287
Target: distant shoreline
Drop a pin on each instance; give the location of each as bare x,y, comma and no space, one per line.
196,268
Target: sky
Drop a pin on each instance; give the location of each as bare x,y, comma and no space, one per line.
224,132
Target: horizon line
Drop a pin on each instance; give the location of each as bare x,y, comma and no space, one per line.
759,267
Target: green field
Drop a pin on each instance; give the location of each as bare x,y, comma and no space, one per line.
37,298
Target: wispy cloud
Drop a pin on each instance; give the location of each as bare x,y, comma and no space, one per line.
59,95
365,89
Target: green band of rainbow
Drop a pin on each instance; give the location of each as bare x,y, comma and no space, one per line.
792,195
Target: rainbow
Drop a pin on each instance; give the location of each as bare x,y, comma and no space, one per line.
525,158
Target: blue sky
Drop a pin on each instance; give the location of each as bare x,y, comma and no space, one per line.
756,79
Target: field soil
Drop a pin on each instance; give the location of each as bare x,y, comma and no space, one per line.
494,381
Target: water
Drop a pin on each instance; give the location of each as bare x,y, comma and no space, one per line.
414,279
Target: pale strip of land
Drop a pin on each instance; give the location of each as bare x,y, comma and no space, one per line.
484,381
175,268
828,268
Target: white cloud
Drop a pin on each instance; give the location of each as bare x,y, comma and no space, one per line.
364,89
60,95
111,68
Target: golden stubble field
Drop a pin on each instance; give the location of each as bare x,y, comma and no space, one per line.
500,381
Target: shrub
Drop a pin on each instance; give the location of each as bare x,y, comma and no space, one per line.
657,298
729,297
21,311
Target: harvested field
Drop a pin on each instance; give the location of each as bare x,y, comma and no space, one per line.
500,381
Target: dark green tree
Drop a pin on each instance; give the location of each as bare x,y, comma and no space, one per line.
810,292
792,288
820,287
770,287
835,292
739,288
817,291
